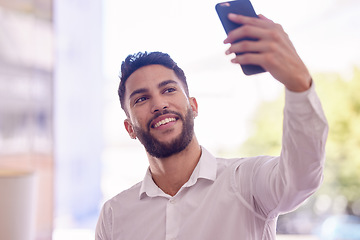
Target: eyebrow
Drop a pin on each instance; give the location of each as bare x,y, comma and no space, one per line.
138,91
144,90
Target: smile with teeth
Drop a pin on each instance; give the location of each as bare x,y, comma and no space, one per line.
164,121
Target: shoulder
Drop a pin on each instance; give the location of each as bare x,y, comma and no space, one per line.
114,210
127,196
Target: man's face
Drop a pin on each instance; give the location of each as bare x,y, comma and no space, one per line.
159,112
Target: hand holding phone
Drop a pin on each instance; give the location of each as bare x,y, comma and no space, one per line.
242,7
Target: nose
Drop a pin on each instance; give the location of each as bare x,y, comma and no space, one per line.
159,104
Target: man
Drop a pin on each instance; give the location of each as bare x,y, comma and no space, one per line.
189,194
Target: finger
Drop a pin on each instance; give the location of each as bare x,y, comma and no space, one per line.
241,19
265,18
246,31
246,47
249,58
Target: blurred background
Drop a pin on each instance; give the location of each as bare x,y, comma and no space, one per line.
60,116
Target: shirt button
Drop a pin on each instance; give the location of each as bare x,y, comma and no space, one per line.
172,201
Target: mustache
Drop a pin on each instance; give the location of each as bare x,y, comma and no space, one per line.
158,114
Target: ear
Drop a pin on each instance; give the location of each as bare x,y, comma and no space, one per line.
194,106
129,128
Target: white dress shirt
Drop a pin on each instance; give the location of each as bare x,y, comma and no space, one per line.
227,199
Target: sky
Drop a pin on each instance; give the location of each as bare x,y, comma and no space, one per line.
325,33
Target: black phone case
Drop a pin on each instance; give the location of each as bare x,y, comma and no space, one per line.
242,7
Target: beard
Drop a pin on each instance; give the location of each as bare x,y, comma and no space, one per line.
163,150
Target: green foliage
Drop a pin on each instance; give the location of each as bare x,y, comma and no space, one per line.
265,138
341,102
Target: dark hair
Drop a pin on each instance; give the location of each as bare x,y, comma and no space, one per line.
135,61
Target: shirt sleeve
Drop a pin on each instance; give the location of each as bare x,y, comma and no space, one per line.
103,226
281,184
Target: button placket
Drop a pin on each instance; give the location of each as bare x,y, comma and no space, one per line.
172,220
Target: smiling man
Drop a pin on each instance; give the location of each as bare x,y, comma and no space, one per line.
187,193
157,97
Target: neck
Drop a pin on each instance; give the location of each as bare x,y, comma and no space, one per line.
171,173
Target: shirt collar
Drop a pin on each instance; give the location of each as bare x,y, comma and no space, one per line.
205,169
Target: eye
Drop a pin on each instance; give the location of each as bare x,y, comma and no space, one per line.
170,90
140,99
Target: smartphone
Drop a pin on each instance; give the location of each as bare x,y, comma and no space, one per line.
242,7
